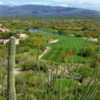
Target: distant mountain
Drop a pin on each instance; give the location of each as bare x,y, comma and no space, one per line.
38,10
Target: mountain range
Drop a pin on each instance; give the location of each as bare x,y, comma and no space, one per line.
39,10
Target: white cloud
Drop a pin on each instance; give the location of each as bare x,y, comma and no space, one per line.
88,4
1,3
36,3
10,3
49,2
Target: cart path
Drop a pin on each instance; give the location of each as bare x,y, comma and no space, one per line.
18,70
48,48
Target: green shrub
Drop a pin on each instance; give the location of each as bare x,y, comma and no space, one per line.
2,98
88,50
6,35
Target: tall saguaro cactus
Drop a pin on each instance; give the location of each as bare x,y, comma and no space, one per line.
11,91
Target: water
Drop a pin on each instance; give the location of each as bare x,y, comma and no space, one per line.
33,30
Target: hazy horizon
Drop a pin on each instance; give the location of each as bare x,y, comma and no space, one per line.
87,4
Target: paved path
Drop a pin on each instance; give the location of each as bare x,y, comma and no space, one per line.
18,70
45,51
48,48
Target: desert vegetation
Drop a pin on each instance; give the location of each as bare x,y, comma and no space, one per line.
59,59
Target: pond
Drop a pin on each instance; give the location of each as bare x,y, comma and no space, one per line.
34,30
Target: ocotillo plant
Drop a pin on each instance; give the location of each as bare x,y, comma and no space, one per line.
11,92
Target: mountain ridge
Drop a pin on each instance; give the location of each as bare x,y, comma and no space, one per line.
41,10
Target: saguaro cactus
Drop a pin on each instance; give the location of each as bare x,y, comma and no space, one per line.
11,92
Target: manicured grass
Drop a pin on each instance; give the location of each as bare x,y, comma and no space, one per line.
49,30
65,44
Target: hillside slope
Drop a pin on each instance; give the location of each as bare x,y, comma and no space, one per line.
38,10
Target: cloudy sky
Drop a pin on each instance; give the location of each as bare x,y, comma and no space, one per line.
89,4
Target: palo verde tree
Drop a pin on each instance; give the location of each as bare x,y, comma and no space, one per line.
11,92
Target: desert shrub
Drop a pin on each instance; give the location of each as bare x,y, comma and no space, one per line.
29,42
25,61
6,35
84,71
62,32
30,85
88,50
2,98
29,60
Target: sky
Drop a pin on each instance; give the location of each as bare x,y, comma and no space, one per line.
88,4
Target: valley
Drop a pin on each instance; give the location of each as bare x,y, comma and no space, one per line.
56,59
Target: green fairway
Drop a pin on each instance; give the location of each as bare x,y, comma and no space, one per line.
66,44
